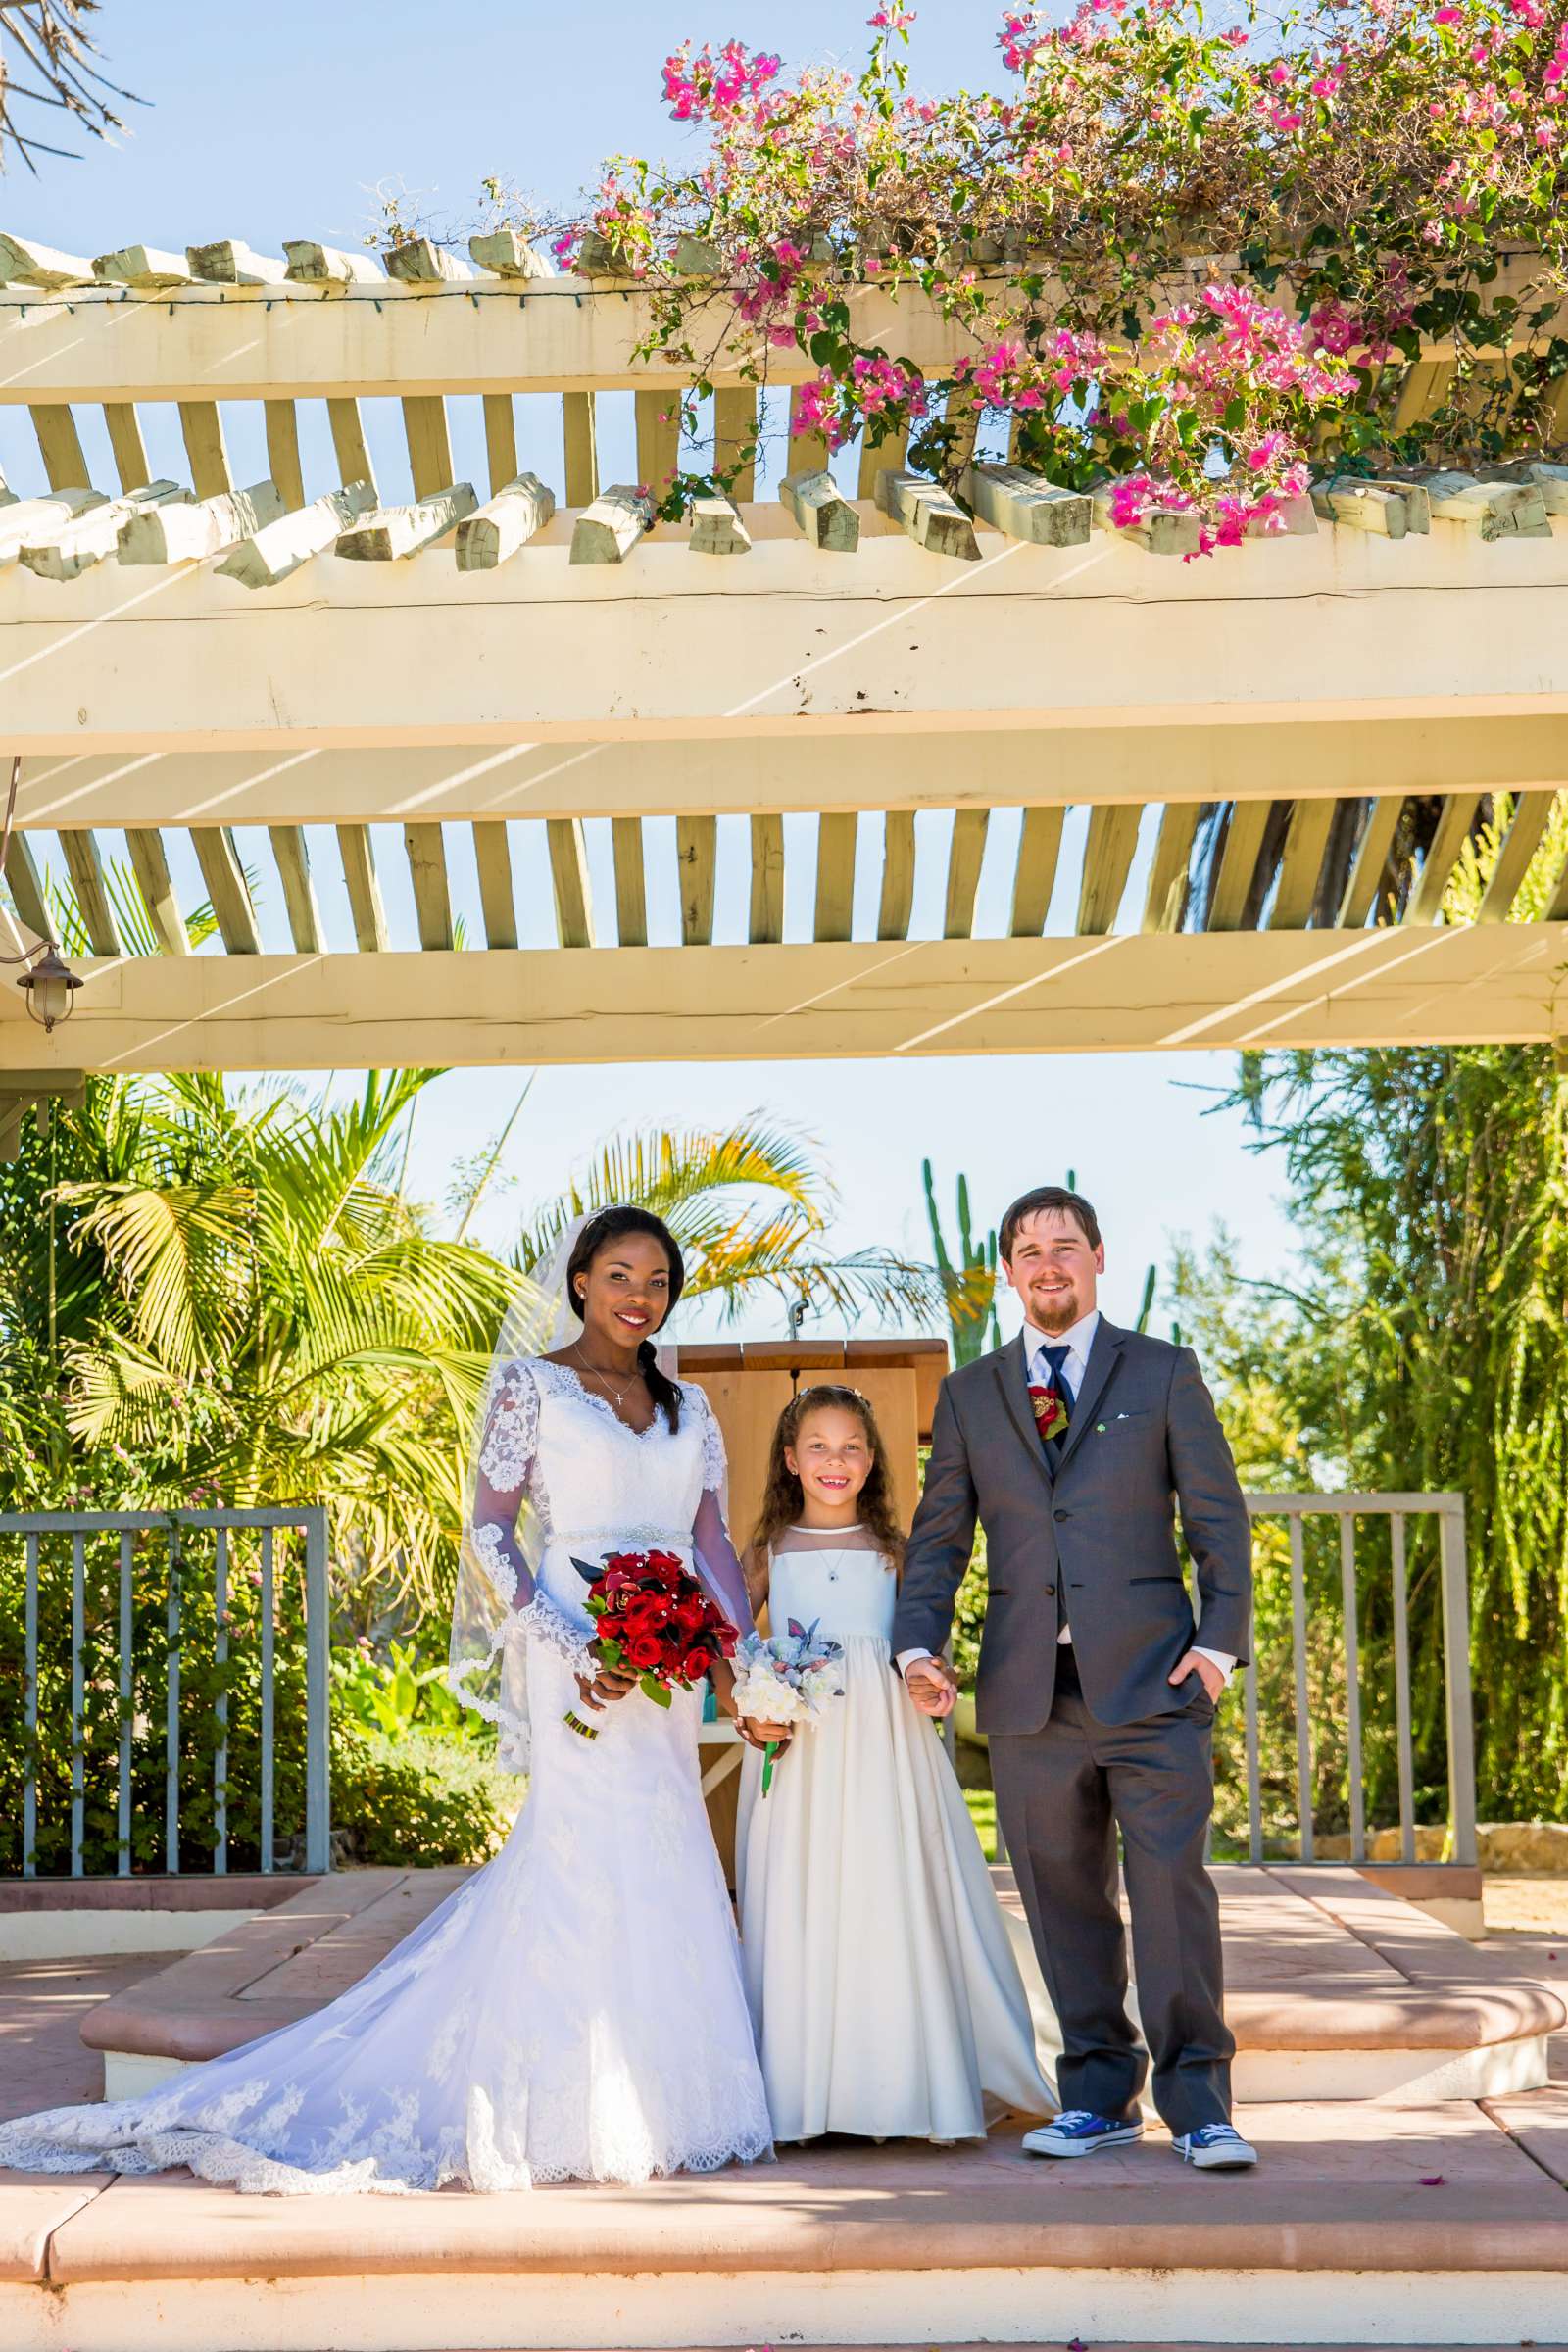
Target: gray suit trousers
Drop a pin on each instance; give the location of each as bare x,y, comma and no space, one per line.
1063,1793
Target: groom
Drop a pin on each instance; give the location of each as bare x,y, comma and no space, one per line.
1070,1446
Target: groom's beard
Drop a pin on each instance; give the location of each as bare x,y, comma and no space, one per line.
1059,1312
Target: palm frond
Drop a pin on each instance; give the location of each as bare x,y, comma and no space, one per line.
674,1174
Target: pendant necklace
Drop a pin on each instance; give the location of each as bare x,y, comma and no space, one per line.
620,1394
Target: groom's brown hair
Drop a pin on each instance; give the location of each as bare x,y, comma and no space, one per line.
1047,1196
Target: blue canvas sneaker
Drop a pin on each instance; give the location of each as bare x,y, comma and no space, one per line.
1078,2132
1215,2149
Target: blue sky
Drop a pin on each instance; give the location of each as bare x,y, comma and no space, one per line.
278,122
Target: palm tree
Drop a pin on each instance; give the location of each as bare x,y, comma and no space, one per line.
750,1209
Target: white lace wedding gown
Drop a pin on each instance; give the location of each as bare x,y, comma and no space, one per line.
576,2009
887,1998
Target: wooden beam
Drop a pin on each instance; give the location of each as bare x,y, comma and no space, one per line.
126,446
202,427
293,861
25,522
1164,531
1371,857
226,888
808,451
280,548
1107,861
231,262
658,429
568,876
1025,506
86,869
150,866
1387,510
888,455
505,253
501,443
492,854
420,262
283,451
1238,862
825,519
144,267
606,531
717,530
432,901
1167,901
1531,816
734,433
519,511
1490,509
965,857
73,547
185,531
349,445
26,888
1465,984
836,838
766,925
357,853
312,265
1035,874
897,901
30,265
929,516
697,850
389,534
1437,871
579,448
631,887
425,428
1301,864
60,447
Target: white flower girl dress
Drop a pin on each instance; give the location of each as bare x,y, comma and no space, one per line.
886,1995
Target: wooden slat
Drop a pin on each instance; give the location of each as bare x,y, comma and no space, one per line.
280,548
568,876
1426,900
225,878
1165,902
889,452
579,448
1371,857
1035,876
202,427
492,855
283,451
508,520
299,891
425,428
125,443
809,453
388,534
766,927
150,866
965,857
735,429
632,885
357,853
606,531
898,874
500,440
1243,838
349,445
432,898
1557,910
86,869
60,447
1107,861
1301,863
1532,814
930,514
184,530
697,850
962,413
27,887
825,516
658,418
836,838
1426,386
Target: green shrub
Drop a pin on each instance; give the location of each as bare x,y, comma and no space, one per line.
416,1800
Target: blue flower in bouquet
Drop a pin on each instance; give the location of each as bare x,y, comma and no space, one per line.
787,1679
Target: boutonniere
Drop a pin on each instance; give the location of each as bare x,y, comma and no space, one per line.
1050,1411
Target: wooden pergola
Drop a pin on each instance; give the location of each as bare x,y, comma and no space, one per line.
282,671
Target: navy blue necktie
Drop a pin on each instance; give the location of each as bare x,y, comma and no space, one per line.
1056,1358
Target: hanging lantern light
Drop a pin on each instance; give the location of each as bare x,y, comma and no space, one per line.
50,986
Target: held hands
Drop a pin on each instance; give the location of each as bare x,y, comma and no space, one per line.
932,1685
1208,1673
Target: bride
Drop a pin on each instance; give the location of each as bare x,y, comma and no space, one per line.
576,2010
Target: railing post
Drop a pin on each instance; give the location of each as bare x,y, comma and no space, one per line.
319,1695
1457,1677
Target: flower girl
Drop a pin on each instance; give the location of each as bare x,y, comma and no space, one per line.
884,1989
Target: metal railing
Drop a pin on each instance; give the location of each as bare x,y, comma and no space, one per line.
1454,1600
309,1521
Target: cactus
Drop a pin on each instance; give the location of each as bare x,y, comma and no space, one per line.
970,1286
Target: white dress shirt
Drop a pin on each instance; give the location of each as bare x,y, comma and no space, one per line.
1077,1339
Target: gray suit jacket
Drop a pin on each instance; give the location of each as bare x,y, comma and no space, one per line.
1090,1541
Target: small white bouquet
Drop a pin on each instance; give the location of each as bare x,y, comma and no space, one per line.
788,1678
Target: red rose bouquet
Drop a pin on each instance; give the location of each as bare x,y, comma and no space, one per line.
655,1620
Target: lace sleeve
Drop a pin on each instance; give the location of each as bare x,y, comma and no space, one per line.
511,1432
716,1559
716,1467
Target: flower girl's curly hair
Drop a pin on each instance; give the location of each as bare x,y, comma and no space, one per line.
783,1499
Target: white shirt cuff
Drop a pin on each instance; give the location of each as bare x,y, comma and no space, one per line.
908,1657
1221,1658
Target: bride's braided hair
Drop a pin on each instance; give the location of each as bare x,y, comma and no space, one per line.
612,1225
783,1499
